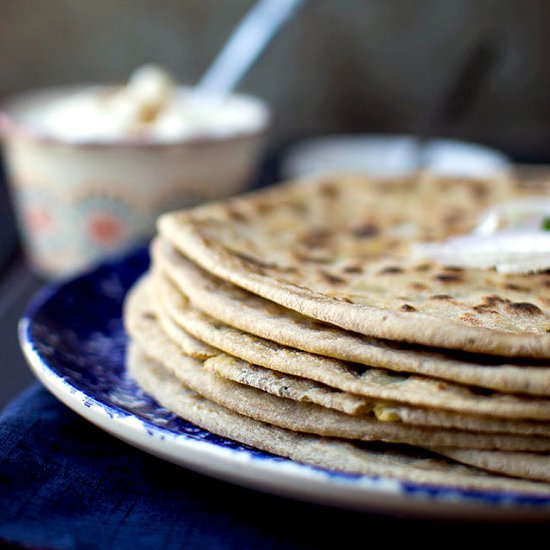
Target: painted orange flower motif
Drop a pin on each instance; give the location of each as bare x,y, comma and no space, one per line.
38,219
105,229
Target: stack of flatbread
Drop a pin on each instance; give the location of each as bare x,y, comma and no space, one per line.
296,319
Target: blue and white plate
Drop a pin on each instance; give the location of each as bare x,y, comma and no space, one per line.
73,337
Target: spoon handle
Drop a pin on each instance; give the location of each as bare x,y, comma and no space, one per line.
245,45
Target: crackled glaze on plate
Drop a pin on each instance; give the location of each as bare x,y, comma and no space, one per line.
73,337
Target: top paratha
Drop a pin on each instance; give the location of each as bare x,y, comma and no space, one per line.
339,251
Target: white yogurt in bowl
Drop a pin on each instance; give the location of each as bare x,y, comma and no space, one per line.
151,107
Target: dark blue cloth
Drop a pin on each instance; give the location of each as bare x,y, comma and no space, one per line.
66,484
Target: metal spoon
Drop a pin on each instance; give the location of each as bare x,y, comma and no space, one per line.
245,45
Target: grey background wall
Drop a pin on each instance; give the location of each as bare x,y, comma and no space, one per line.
341,65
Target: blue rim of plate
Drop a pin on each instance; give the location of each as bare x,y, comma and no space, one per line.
72,334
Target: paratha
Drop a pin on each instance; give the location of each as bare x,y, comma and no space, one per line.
339,251
285,413
524,465
415,466
302,389
369,382
255,315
